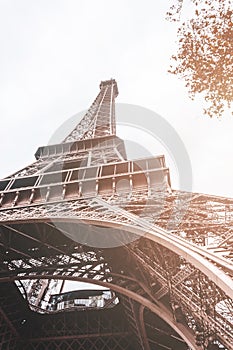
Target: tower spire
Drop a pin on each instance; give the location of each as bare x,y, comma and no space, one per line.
99,120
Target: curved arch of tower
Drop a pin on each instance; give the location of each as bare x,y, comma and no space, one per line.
158,261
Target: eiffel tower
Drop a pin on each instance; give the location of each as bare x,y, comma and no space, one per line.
83,212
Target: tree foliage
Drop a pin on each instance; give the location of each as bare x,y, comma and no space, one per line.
204,58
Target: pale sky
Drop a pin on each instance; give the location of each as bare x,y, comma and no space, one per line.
54,53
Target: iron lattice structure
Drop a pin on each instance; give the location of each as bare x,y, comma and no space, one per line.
84,212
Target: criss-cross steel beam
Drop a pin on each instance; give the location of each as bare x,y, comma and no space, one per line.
159,310
173,253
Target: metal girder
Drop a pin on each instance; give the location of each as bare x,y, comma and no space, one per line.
173,253
8,337
110,342
192,293
98,212
146,235
160,310
101,113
